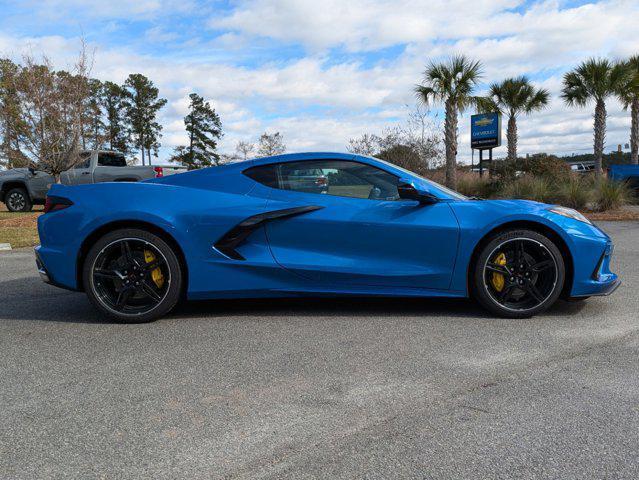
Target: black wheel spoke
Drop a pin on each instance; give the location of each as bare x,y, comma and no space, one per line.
505,294
520,253
127,254
532,290
123,296
150,292
543,265
502,269
110,274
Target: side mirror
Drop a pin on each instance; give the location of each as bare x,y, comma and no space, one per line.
408,191
32,171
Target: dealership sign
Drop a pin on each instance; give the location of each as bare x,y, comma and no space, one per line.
485,130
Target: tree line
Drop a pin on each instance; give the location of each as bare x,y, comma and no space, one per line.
47,116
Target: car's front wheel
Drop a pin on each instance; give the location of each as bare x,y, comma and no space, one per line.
18,200
132,276
518,274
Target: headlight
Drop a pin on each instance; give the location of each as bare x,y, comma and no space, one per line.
570,213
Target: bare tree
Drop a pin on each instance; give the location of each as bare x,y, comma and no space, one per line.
52,105
271,144
367,144
414,145
420,132
244,149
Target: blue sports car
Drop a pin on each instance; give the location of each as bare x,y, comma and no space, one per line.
313,224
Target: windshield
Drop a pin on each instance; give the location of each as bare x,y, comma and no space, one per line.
437,186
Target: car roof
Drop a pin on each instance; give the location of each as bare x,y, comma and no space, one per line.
296,157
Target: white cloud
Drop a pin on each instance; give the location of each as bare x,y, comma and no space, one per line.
320,100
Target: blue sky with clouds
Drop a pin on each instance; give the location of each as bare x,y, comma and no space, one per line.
324,72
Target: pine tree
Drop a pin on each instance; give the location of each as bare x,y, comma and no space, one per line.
11,122
204,129
93,127
112,101
142,105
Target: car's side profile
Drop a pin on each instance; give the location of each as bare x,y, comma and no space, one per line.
318,224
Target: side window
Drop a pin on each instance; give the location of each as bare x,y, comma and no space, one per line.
264,174
111,160
84,161
329,177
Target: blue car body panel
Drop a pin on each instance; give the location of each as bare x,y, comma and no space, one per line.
345,246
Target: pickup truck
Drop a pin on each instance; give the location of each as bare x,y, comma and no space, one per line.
21,188
625,173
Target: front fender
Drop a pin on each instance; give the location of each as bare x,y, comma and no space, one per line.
585,243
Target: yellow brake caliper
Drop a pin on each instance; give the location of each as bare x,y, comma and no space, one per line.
497,278
156,274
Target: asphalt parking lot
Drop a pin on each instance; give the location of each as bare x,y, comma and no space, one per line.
353,388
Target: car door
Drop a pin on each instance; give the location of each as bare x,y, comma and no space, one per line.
360,232
80,173
108,167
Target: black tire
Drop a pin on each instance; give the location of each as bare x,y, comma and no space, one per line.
117,266
532,276
18,200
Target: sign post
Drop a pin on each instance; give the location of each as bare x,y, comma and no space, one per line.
485,134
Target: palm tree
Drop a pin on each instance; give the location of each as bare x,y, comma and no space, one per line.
595,80
451,83
629,95
514,96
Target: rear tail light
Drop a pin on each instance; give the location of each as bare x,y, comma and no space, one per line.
56,203
159,172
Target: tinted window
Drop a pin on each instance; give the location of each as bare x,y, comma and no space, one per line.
111,160
330,177
264,174
84,160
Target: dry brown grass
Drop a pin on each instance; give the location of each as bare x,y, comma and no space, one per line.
19,229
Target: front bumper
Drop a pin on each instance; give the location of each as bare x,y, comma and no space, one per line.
600,280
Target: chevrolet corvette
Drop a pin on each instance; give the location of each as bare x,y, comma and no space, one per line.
313,224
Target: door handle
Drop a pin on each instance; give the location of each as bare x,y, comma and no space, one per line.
85,173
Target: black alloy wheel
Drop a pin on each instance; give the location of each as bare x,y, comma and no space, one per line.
132,276
519,274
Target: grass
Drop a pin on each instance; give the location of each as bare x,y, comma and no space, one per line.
19,229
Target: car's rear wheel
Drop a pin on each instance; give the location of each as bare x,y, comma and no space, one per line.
18,200
518,274
132,276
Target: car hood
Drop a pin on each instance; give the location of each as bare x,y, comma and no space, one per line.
14,172
519,206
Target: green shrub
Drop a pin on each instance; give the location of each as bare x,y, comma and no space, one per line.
547,166
574,192
528,188
472,185
611,195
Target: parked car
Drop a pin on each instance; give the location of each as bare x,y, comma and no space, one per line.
21,188
242,231
625,173
582,168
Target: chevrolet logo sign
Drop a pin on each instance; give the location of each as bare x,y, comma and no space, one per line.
484,121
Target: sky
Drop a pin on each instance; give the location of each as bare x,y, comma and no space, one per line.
324,72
